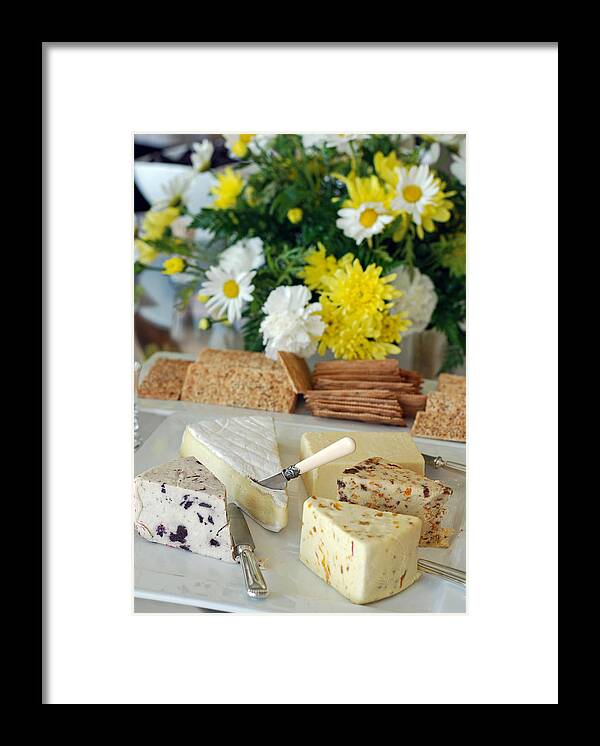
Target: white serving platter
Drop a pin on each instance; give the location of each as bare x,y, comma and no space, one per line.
167,574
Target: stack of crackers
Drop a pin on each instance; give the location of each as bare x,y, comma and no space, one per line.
232,378
445,416
365,390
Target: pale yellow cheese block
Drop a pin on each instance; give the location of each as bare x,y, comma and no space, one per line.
365,554
399,448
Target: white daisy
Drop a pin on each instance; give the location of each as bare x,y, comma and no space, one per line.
175,191
243,256
364,221
291,323
202,155
228,292
415,190
418,299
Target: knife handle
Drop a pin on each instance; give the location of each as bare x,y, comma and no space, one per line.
442,571
253,577
342,447
440,463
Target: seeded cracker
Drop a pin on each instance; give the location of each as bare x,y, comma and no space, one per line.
209,356
239,386
165,379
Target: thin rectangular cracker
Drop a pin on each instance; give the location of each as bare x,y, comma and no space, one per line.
360,417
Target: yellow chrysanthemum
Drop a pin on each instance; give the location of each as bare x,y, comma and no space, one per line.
173,266
146,253
385,167
227,190
355,308
319,265
365,189
157,221
437,212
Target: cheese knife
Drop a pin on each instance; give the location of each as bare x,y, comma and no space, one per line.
441,463
442,571
339,449
243,552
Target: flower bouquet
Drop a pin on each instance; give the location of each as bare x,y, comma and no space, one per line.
316,243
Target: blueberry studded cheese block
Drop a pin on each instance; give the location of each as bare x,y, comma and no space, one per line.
365,554
396,447
181,504
382,485
235,449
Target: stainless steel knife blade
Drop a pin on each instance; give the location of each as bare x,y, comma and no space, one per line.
243,552
238,526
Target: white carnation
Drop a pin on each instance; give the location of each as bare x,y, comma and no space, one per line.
244,256
291,323
419,298
340,142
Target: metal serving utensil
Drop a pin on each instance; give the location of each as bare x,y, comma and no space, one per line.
442,571
342,447
243,552
441,463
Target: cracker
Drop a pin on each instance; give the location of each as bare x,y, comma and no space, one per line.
342,405
450,379
446,404
360,416
334,383
357,365
439,426
324,394
297,371
239,386
392,378
210,356
165,379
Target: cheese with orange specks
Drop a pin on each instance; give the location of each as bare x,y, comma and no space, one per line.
365,554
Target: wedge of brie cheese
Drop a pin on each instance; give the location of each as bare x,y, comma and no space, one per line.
365,554
235,449
391,446
381,485
181,504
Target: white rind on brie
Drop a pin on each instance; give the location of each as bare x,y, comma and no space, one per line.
181,504
235,449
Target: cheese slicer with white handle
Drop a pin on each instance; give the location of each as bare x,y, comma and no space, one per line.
339,449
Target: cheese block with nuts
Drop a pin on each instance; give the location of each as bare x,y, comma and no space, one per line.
396,447
181,504
382,485
365,554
